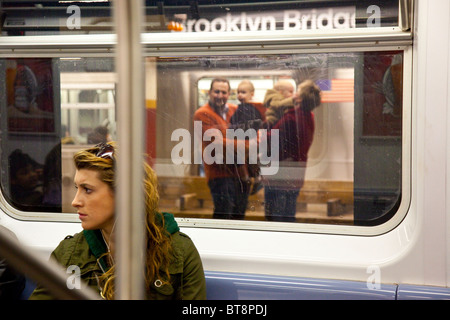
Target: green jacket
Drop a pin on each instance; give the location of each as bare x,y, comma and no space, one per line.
85,249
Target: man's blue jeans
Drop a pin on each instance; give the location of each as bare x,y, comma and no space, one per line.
230,197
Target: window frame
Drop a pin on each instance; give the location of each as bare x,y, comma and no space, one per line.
160,45
406,187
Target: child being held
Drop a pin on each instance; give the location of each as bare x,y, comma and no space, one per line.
278,100
249,115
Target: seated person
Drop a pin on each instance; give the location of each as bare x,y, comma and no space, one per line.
173,269
25,179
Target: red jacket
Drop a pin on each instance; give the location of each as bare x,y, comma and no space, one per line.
211,120
296,134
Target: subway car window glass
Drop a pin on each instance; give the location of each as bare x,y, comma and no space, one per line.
52,107
248,138
231,137
94,17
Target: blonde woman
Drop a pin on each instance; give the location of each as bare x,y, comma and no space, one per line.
173,266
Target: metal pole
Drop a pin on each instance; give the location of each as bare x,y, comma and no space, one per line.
130,117
47,273
405,15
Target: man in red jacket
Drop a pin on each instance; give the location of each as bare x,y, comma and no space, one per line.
229,191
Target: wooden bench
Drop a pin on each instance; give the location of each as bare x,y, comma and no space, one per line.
188,193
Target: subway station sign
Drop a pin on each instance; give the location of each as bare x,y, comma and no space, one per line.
309,19
226,16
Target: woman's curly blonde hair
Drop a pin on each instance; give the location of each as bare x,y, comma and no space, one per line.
158,242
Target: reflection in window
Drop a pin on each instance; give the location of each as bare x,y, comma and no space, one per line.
353,170
52,106
349,174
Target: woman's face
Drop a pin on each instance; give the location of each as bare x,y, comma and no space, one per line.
94,201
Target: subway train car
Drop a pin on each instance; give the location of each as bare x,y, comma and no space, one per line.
371,218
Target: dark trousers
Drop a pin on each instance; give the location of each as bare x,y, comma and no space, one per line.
230,197
280,204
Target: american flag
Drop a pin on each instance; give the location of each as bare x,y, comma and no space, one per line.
337,90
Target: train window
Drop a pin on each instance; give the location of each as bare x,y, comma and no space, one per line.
53,106
353,166
257,159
